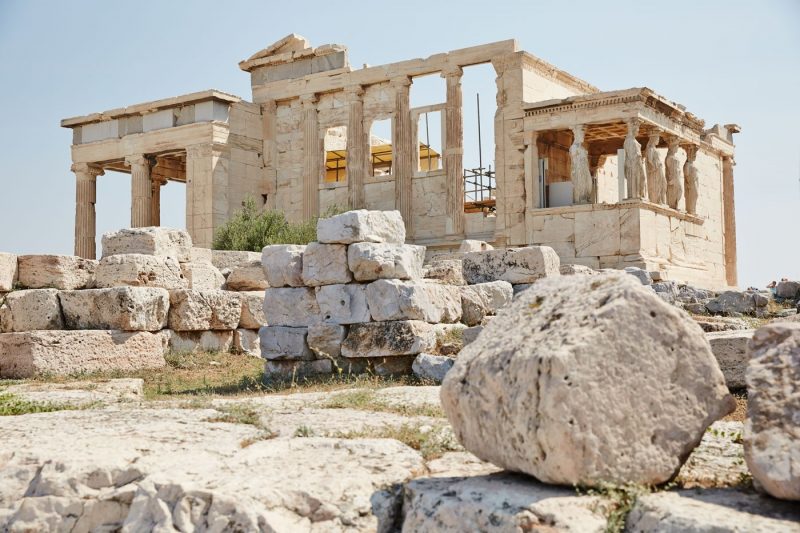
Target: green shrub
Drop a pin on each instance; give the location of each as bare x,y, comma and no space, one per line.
250,229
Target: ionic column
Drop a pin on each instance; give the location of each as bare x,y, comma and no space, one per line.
532,197
729,216
454,151
357,148
155,201
403,150
312,145
634,168
85,200
141,190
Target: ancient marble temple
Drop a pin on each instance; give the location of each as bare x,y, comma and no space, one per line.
607,179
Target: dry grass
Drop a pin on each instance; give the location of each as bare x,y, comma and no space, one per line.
368,400
13,405
431,441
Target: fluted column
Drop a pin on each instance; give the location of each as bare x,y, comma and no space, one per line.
141,190
312,144
403,150
532,196
155,201
357,148
729,214
85,216
454,152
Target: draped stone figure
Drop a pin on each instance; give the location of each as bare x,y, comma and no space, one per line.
691,179
580,173
656,180
674,174
634,168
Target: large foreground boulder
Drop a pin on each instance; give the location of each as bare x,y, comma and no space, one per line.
153,240
772,428
584,380
514,265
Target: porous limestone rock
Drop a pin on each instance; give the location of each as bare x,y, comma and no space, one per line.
325,340
343,303
292,369
730,349
380,339
514,265
65,272
772,427
468,245
584,380
123,308
291,306
788,289
283,265
325,264
735,302
247,341
227,260
432,367
247,278
362,226
280,342
483,299
252,310
202,275
154,240
470,334
640,274
370,261
8,271
139,270
519,287
200,255
391,299
41,353
198,341
30,309
568,270
192,310
448,271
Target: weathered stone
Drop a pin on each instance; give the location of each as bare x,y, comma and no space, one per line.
227,260
31,309
446,271
325,264
392,366
325,340
156,240
413,300
718,461
379,339
696,308
721,323
192,310
139,270
432,367
689,294
200,255
65,272
483,299
362,226
788,289
283,264
666,290
370,261
470,334
8,271
249,278
247,341
568,270
280,342
343,304
252,310
41,353
198,341
772,428
519,287
514,265
292,369
202,275
449,338
733,302
641,275
291,306
568,365
468,245
730,349
123,308
79,394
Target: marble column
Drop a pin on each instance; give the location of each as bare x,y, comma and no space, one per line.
634,166
141,190
269,110
579,168
454,152
403,150
729,217
532,190
357,148
312,157
155,201
85,216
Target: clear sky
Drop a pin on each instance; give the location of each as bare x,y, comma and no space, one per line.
726,61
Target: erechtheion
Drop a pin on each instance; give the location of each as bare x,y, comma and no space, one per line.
605,178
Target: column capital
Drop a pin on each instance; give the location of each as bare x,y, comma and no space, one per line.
452,71
309,101
530,137
195,151
400,81
87,170
137,159
633,124
355,91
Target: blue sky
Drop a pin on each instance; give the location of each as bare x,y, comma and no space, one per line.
726,61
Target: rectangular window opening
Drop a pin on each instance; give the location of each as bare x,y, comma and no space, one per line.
380,147
335,144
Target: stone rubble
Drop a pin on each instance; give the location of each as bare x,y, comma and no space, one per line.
432,367
514,265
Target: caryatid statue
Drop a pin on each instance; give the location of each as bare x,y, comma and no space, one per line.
656,180
691,178
634,168
580,173
674,174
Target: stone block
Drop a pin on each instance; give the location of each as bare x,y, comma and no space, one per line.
447,271
31,309
8,271
65,272
198,341
281,342
42,353
248,278
202,275
597,233
122,308
282,369
432,367
325,264
291,306
343,303
193,310
362,226
252,310
570,269
283,264
200,255
227,260
325,340
468,245
730,349
514,265
413,300
156,240
788,289
383,339
483,299
139,270
733,302
641,275
370,261
247,341
470,334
